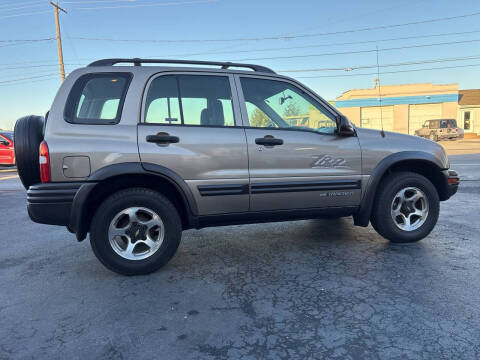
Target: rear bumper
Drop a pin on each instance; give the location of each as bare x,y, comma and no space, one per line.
51,203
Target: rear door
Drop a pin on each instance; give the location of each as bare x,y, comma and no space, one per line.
191,125
296,159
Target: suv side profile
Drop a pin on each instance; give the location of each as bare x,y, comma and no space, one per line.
439,129
133,155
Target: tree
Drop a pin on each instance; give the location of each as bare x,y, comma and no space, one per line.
292,109
259,119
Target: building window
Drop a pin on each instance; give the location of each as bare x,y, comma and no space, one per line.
466,120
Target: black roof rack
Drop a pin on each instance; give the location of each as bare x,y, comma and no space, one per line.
139,62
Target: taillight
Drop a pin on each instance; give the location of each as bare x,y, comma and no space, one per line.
456,129
441,130
44,160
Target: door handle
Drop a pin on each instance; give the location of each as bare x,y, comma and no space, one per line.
163,138
268,141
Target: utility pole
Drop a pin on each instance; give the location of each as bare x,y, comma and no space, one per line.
59,38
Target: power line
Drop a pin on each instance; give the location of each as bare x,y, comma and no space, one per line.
351,68
21,82
97,1
24,14
321,45
27,78
34,66
388,72
26,40
290,37
21,7
24,3
147,5
16,43
358,51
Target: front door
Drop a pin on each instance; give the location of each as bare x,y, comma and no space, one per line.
190,126
296,160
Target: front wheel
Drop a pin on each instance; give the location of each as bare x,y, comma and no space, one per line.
135,231
406,207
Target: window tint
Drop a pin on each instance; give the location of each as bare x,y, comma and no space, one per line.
162,101
257,117
190,100
97,98
279,104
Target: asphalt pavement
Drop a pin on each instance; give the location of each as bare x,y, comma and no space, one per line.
292,290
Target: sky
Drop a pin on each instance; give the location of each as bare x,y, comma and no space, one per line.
283,35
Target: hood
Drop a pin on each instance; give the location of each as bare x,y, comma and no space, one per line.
375,147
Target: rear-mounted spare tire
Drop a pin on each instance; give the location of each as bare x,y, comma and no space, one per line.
28,135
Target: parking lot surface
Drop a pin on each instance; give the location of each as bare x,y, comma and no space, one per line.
292,290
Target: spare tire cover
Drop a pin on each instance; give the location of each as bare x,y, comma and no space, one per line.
28,135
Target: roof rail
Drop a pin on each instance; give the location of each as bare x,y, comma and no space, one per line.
139,62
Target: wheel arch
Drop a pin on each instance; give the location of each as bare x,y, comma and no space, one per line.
113,178
419,162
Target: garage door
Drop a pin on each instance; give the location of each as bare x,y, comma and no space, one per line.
418,114
371,117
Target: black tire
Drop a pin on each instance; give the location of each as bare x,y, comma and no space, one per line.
135,197
382,219
28,135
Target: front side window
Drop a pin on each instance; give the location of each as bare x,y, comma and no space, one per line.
278,104
201,100
97,98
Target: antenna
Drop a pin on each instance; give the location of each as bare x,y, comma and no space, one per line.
380,95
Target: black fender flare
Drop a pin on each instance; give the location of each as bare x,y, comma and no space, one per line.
79,205
362,217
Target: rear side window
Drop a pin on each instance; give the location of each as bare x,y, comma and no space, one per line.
97,98
201,100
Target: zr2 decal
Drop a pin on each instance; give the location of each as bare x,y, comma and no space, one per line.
329,162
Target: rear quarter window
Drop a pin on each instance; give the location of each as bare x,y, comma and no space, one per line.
97,98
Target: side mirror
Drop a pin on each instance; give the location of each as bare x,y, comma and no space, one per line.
344,127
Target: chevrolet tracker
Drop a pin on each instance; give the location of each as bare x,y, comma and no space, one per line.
132,155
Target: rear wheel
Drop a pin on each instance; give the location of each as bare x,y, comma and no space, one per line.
28,135
406,208
135,231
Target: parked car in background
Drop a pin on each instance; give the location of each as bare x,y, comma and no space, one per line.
439,129
7,154
461,133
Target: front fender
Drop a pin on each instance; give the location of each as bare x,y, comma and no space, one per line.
362,218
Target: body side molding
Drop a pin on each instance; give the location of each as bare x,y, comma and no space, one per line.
296,186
